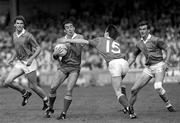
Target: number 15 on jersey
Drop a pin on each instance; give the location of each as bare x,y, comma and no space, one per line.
112,47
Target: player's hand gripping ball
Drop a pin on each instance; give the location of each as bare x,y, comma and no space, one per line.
60,50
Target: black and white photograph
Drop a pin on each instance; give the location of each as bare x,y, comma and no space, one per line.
89,61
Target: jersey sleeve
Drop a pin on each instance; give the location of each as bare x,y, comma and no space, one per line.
95,41
161,44
32,41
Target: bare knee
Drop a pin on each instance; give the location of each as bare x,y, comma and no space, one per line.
158,87
52,91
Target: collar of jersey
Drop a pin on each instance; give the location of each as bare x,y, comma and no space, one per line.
145,41
19,35
72,36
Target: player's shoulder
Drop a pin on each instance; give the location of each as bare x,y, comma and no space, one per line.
28,34
14,34
156,38
153,37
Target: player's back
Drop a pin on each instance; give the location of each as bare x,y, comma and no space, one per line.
108,48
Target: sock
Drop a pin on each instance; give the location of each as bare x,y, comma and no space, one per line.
123,90
51,101
24,92
123,100
164,98
67,103
168,104
45,100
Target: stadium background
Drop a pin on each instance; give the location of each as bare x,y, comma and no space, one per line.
44,19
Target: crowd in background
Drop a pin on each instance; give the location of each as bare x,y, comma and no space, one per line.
90,21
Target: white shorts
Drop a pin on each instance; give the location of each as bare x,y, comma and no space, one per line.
27,69
151,70
118,67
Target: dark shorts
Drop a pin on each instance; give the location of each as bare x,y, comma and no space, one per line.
69,69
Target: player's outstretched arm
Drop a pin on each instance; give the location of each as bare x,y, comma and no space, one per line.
80,41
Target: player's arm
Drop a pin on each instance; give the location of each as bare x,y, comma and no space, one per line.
80,41
36,47
163,45
93,42
12,57
132,59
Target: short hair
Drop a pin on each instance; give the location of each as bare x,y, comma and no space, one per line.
144,22
113,31
66,22
20,17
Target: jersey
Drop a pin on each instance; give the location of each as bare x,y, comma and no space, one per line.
108,48
152,50
25,45
72,60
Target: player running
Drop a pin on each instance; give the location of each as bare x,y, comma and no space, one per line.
68,68
109,47
26,52
156,66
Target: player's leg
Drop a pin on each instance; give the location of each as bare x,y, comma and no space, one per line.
122,99
15,73
118,69
72,79
58,80
159,77
140,83
32,78
123,87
